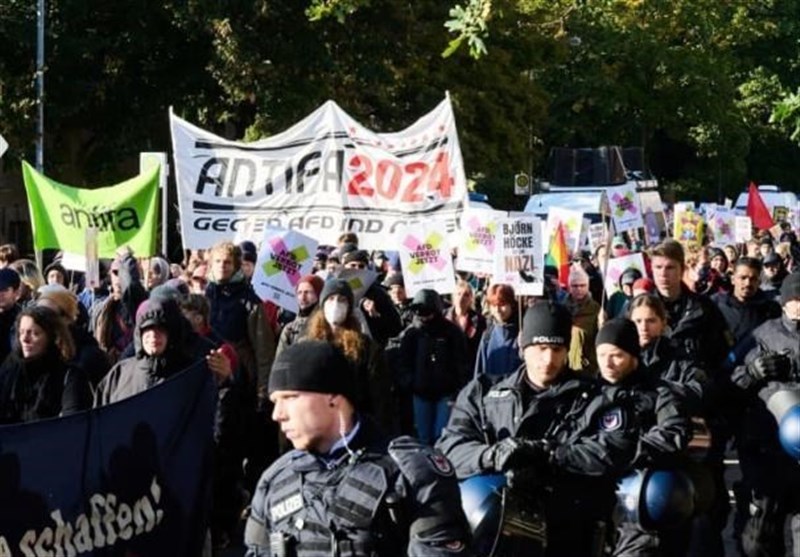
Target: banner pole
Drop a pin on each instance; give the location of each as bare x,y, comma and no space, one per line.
164,207
604,270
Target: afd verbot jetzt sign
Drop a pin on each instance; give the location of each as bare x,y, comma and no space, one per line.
326,175
285,257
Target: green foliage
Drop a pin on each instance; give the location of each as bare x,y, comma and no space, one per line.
787,114
469,23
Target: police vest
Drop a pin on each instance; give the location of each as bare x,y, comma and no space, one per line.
334,512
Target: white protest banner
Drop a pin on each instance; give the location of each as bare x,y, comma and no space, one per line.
571,222
477,240
598,235
519,257
92,277
359,280
584,241
617,265
87,262
425,257
722,223
623,202
655,221
744,229
3,146
284,258
326,175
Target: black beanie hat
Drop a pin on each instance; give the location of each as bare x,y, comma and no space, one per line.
313,366
427,300
357,255
790,289
395,279
337,286
621,333
546,323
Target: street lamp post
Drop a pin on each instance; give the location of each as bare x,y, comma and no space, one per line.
40,85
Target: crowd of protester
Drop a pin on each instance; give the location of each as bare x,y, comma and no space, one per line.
672,370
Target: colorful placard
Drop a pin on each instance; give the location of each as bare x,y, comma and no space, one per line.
425,257
743,229
617,265
285,257
623,202
689,228
722,224
571,221
477,240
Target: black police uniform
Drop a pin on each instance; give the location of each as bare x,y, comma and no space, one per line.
663,360
666,429
373,499
590,442
773,476
699,330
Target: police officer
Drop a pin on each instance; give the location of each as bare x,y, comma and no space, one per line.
665,429
698,328
344,490
772,366
550,427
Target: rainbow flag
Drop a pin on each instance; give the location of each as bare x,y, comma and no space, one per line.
558,256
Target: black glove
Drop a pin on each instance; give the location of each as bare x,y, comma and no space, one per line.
770,365
513,452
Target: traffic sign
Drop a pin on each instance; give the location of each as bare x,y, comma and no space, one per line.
522,184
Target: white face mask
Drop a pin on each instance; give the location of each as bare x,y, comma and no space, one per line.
335,312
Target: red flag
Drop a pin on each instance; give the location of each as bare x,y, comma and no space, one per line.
757,210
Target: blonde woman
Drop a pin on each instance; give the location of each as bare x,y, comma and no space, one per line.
31,279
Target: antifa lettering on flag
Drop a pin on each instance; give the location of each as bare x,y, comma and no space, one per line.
128,479
326,175
122,214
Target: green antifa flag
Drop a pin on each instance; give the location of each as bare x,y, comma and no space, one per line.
123,214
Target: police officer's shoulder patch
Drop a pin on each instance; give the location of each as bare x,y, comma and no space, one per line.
612,420
419,463
441,464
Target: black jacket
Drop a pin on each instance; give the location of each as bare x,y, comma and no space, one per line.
432,361
44,387
664,421
662,360
567,414
698,327
387,323
758,441
743,317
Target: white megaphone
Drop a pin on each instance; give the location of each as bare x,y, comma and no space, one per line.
785,406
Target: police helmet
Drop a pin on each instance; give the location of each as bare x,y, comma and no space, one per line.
656,499
501,523
482,500
785,406
789,432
